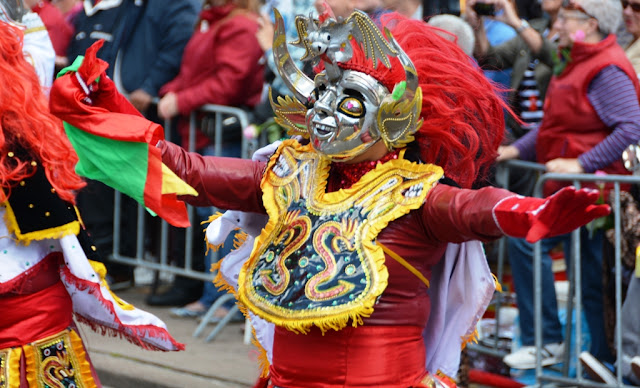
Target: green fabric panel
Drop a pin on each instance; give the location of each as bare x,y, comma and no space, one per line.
118,164
72,67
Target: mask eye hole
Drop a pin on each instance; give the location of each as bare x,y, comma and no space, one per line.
319,89
352,106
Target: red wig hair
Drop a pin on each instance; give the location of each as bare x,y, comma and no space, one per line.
463,119
27,124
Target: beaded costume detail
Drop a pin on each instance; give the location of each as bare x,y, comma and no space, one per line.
316,262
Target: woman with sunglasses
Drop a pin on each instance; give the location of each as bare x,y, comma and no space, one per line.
529,54
591,114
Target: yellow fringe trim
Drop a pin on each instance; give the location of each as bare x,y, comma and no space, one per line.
498,285
445,377
211,218
219,281
319,200
263,359
473,337
404,263
10,377
240,239
101,270
72,227
30,369
81,355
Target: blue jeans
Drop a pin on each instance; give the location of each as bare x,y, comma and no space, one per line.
520,255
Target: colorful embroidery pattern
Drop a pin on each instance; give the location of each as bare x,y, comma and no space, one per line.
4,368
56,363
10,367
316,262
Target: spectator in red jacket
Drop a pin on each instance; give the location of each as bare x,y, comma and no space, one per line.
68,8
220,65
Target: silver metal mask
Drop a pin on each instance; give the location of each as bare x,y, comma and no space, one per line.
344,112
12,11
342,123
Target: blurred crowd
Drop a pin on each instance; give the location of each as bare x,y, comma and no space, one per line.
568,69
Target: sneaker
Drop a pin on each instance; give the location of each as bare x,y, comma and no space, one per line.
184,312
635,366
597,370
525,357
192,310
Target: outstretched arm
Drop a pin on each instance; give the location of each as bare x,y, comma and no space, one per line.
538,218
457,215
227,183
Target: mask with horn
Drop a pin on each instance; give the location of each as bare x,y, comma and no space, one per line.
347,108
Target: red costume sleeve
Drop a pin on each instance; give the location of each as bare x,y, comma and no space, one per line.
227,183
456,215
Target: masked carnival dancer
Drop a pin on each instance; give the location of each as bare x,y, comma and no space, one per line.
45,275
377,206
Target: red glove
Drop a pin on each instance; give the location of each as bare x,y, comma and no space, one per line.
102,93
538,218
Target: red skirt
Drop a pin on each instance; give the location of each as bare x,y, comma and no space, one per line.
366,356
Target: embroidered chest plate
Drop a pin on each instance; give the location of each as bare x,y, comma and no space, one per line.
316,262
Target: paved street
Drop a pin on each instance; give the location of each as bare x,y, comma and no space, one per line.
223,362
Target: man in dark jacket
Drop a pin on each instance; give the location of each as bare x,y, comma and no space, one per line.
144,42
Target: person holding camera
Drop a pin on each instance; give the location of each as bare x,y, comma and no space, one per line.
591,114
529,54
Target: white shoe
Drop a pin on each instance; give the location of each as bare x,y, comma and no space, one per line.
596,370
525,357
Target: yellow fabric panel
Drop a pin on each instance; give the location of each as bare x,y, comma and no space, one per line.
101,270
171,184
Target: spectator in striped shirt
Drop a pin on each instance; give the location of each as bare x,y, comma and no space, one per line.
591,114
527,53
531,59
630,315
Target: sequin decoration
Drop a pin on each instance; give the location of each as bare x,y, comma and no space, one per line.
4,368
318,263
56,363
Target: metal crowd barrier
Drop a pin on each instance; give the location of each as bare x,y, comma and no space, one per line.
215,116
575,290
